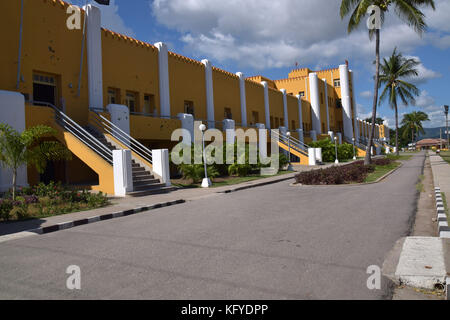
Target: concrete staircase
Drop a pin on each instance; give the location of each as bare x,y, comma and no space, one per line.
144,182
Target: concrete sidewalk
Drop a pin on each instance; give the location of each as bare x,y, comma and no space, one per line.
129,203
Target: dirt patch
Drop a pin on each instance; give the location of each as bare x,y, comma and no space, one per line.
425,223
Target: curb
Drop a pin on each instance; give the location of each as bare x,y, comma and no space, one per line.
107,216
259,184
443,228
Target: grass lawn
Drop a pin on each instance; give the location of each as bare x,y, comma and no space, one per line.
223,181
400,157
381,171
445,155
444,199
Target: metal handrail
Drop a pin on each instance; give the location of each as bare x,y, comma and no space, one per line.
78,131
302,145
296,145
123,137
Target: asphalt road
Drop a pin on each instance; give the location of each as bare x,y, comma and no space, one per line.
271,242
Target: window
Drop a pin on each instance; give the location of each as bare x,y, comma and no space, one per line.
323,127
189,107
44,88
301,93
293,124
113,96
131,100
227,113
149,104
321,98
271,122
277,122
337,83
338,103
282,122
255,117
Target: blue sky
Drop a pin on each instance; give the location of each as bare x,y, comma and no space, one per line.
268,37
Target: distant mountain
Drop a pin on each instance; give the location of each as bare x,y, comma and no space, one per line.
433,133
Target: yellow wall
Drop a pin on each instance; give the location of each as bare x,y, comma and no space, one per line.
187,82
45,49
226,95
255,100
129,65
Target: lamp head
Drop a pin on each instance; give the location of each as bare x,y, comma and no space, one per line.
353,139
288,134
202,127
335,138
446,109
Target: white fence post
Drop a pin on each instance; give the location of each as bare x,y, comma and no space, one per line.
160,159
123,176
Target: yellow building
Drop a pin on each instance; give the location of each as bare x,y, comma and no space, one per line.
41,59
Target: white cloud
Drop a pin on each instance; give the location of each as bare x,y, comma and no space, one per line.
424,100
366,94
424,73
265,33
110,17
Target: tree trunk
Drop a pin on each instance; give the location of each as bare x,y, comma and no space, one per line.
368,158
397,152
14,184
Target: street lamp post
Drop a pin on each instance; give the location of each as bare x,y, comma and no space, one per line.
206,182
288,134
446,124
354,153
335,149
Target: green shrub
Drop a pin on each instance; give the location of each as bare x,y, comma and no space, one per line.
6,206
196,172
345,150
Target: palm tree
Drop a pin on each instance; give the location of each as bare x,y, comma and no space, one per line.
27,148
408,10
413,121
394,71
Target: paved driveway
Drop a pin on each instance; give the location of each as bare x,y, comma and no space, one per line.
271,242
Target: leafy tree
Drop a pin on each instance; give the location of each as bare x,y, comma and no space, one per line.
394,71
412,124
378,120
28,148
408,10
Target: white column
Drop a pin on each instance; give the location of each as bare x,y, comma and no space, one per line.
313,135
285,109
326,103
187,123
123,176
346,101
243,98
164,87
12,111
312,156
315,103
209,93
339,135
355,109
266,104
300,118
94,56
229,128
160,159
262,140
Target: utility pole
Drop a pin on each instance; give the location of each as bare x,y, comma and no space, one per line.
446,124
440,137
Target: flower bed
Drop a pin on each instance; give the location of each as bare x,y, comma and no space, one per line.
48,200
355,172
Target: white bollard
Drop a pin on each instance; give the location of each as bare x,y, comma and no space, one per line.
318,153
160,159
311,156
123,176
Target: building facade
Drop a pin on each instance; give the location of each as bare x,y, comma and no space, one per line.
42,59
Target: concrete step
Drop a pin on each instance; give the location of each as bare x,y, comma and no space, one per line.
144,181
